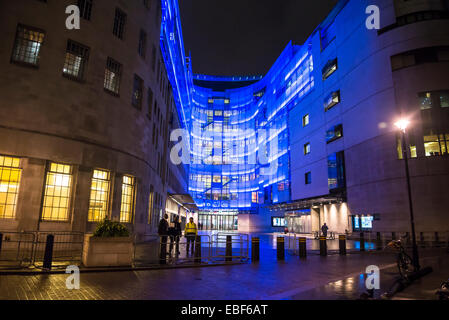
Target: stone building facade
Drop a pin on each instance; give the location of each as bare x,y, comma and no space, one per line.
84,117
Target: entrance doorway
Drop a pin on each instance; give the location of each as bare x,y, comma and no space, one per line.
218,222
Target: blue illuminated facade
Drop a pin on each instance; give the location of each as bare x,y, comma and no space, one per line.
314,140
239,137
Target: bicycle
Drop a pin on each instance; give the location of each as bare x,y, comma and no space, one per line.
404,261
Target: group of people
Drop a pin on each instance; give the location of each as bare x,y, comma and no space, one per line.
173,230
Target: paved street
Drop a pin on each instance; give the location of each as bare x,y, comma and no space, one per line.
292,279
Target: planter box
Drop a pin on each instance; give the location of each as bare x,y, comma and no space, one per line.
107,252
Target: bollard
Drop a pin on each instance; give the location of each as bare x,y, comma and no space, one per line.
163,253
255,249
362,241
281,248
198,249
1,240
302,247
379,243
323,246
48,256
342,241
228,257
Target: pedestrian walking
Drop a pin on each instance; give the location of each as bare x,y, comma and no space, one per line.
175,232
191,232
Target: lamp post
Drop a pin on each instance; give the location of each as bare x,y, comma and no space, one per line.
402,125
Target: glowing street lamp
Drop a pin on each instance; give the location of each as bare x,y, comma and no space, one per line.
403,125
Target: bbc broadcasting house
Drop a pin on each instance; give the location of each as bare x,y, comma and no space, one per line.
86,118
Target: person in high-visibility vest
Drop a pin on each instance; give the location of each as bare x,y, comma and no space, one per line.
191,232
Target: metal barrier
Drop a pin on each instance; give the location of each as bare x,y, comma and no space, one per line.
238,243
67,248
213,250
16,250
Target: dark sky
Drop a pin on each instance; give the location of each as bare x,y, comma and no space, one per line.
245,37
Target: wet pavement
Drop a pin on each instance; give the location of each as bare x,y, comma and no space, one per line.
264,281
333,277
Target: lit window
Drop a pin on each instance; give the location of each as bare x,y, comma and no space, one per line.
58,191
305,120
307,148
10,174
332,100
436,145
99,196
425,100
334,133
330,67
127,207
76,59
150,205
112,76
27,45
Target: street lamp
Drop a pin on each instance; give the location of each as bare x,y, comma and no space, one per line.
402,125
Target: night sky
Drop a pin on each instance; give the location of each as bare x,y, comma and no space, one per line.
245,37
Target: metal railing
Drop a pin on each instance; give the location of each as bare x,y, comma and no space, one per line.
16,249
67,248
213,250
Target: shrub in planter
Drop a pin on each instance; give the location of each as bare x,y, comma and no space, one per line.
111,229
109,246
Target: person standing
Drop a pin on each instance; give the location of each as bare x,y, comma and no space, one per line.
163,234
175,232
324,230
191,232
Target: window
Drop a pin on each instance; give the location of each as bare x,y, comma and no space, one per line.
336,170
85,7
150,205
436,145
334,133
305,120
328,35
150,102
27,46
308,178
127,207
99,196
147,4
137,92
58,190
76,59
412,146
330,67
307,149
142,43
444,99
10,174
425,100
332,100
112,76
153,58
119,23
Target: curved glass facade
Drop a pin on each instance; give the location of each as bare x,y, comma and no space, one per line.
239,137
